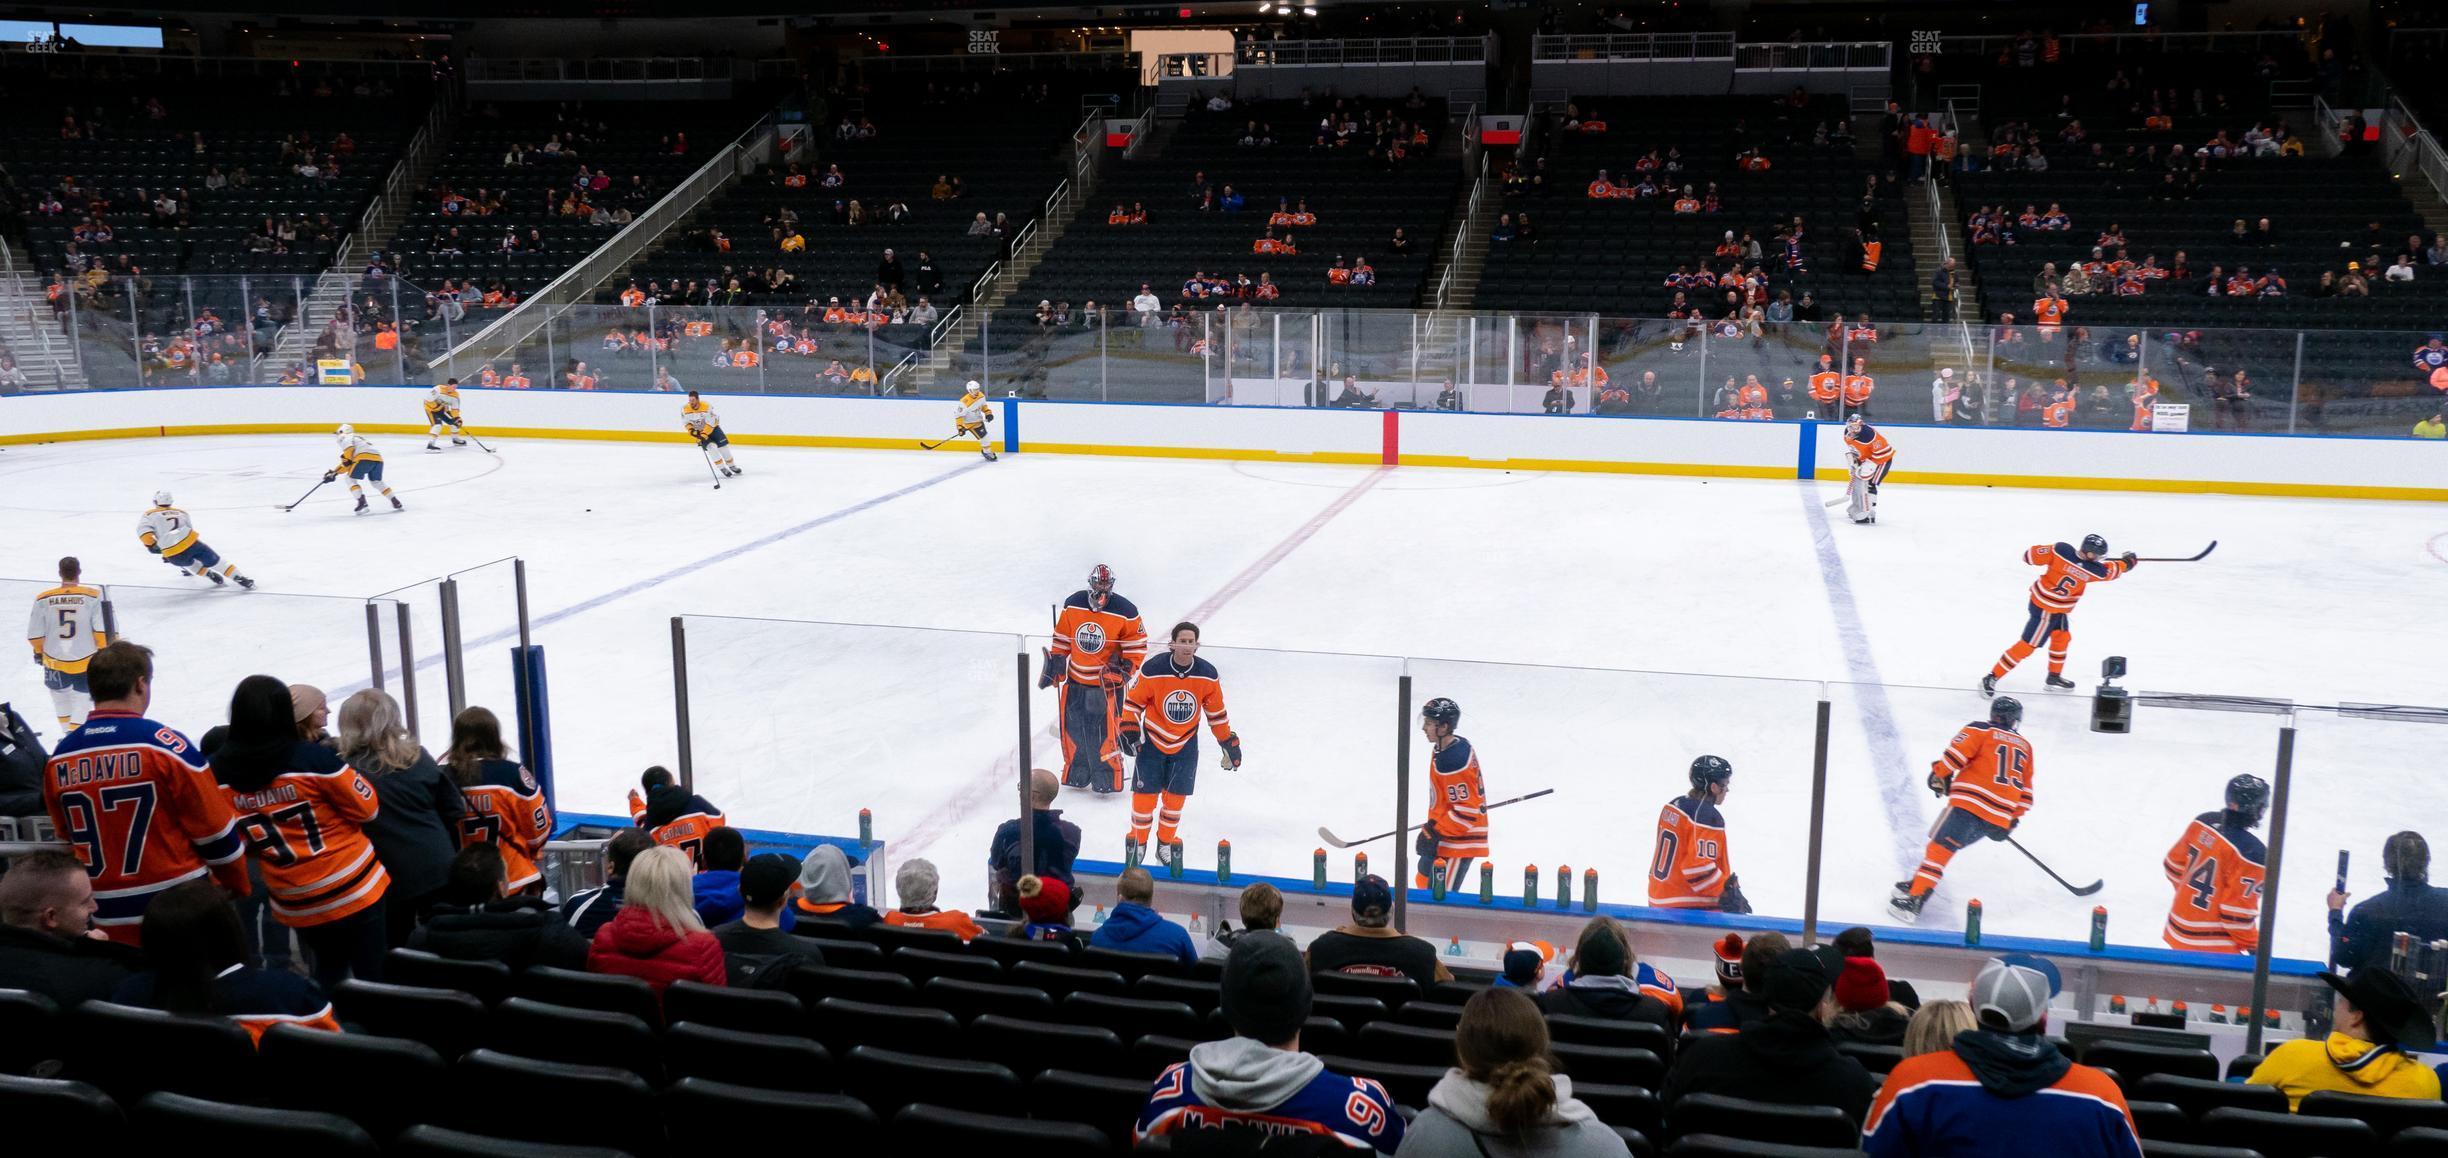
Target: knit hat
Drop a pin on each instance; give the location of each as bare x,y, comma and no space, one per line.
1603,957
1862,986
1045,900
306,700
1729,961
1801,977
1521,964
767,877
2012,993
1266,989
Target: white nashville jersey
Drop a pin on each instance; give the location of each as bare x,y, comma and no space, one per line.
357,446
443,399
975,412
67,621
168,528
700,421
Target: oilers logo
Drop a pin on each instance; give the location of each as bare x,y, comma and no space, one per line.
1180,708
1090,639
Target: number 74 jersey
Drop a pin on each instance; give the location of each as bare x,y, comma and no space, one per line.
2218,870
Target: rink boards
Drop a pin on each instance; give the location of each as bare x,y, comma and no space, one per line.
2224,463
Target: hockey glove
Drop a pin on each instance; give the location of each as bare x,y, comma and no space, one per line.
2131,561
1426,847
1232,751
1047,673
153,548
330,475
2003,833
1732,899
1130,738
1937,784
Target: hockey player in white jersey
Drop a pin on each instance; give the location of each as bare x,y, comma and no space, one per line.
66,631
442,413
706,427
169,533
976,411
363,464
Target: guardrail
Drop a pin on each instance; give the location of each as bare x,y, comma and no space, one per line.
1839,56
2406,144
1141,126
428,135
630,69
1383,50
2128,43
1636,46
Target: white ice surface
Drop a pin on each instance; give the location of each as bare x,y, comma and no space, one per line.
1518,577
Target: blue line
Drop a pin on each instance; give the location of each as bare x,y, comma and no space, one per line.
1887,760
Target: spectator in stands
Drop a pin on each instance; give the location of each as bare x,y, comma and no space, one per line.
591,910
2402,270
2003,1089
1261,907
656,936
2434,428
761,938
477,918
1858,942
1604,980
1726,975
2354,284
715,890
1503,232
1450,397
1056,842
48,944
1259,1076
1370,946
196,964
22,760
2409,904
1506,1089
1748,1004
917,882
1134,925
1934,1026
1787,1058
417,827
925,279
824,890
1866,1010
2376,1017
1045,905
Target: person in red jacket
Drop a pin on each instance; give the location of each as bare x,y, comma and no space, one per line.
656,936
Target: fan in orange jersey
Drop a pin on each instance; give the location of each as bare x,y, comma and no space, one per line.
1160,719
1986,778
1826,387
303,810
1858,387
2053,596
135,800
1098,642
1457,828
673,815
2216,867
505,808
1869,456
1693,867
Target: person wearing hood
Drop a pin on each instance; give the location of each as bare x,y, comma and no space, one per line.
656,937
1604,981
1789,1058
1259,1077
1505,1099
304,810
479,919
1866,1011
2375,1019
672,814
1135,926
2003,1091
824,890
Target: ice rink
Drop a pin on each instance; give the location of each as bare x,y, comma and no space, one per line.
1551,606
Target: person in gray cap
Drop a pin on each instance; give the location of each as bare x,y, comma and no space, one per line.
1788,1057
1259,1077
2003,1090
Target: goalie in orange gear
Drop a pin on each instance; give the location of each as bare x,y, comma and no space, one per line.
1098,642
1160,722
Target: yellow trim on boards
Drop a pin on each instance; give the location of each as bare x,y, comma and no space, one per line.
2161,486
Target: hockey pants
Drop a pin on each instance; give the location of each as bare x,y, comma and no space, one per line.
1088,718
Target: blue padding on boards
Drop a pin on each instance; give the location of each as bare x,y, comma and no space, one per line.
534,716
1806,460
1011,426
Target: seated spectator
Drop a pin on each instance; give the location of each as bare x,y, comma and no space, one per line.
824,890
1604,980
1371,947
1055,842
656,937
2002,1088
1787,1058
477,918
760,938
1728,976
1866,1012
1045,910
1747,1004
1524,967
672,814
1259,1077
1353,396
48,944
416,830
1134,925
595,908
1934,1026
916,881
715,890
1506,1089
197,964
1857,942
2376,1016
22,760
1261,908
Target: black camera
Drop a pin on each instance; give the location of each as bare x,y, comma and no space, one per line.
2111,706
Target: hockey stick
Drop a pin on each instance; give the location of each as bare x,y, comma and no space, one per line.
708,451
1338,842
2205,553
480,443
2082,891
309,494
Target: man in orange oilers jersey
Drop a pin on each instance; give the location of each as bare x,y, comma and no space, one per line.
1869,456
2217,870
1160,719
1692,867
1986,779
1826,387
1098,642
1457,828
2069,572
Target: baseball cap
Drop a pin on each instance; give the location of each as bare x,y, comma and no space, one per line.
1265,989
2012,993
1802,976
767,877
1371,897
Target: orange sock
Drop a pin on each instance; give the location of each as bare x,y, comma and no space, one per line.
2058,642
1143,811
2015,654
1933,866
1168,822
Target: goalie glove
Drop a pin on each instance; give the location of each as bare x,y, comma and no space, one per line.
1047,673
1232,751
1130,738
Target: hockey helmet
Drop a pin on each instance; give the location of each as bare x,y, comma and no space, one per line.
1443,711
2249,796
1707,770
344,432
2006,712
2095,544
161,498
1101,579
974,388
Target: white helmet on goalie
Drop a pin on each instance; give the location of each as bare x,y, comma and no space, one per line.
161,498
344,432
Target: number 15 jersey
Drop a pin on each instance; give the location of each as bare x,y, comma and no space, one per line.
1989,773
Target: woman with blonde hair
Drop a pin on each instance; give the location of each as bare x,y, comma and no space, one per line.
1505,1098
1933,1028
417,831
656,936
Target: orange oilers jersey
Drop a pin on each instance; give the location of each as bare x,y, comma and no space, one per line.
506,809
2067,574
2050,311
1858,388
305,829
1098,646
1168,699
1457,805
1691,865
1826,387
137,803
2057,414
2217,871
1753,395
688,834
1871,447
1988,770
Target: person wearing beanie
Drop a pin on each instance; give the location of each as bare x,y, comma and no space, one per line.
2003,1091
1045,909
1135,926
760,939
1857,942
1371,945
1788,1058
2375,1018
1505,1098
1259,1077
1727,979
1525,967
1866,1011
313,714
917,882
1745,1002
824,890
1603,980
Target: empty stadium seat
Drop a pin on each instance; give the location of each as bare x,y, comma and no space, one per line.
835,1120
450,1021
1720,1146
1012,950
579,1036
1611,1065
813,984
2134,1061
949,1130
176,1121
843,1024
1353,1012
2386,1116
752,1010
1431,1015
1129,1016
78,1110
921,965
2162,1120
1319,1035
497,1094
843,954
1201,996
605,992
2152,1149
1409,1084
1878,1059
1064,980
1406,1043
1028,1048
888,1079
739,1057
2419,1142
391,1081
1632,1107
969,999
2198,1096
1109,1104
487,981
436,1142
2287,1135
29,1030
131,1052
1393,991
1760,1121
1151,1054
1132,966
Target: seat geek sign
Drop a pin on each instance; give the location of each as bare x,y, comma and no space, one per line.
985,41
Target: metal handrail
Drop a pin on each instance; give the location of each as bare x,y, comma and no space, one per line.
1144,124
1635,46
1813,57
2151,39
1379,50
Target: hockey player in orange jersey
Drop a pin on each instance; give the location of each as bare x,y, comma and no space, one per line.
1868,457
1161,711
1457,828
1986,778
1098,642
2069,571
2217,870
1693,865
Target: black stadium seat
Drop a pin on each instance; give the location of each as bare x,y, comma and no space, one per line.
1407,1043
78,1110
938,1129
889,1079
488,981
2386,1116
1610,1065
2198,1096
1028,1048
1012,950
2287,1135
1201,996
1431,1015
838,1122
1720,1146
2419,1142
178,1122
969,999
29,1030
1878,1059
752,1010
131,1052
451,1021
1063,980
1110,1104
2161,1120
578,1036
1151,1054
607,992
843,954
1130,1017
1628,1106
390,1080
2135,1062
843,1024
1760,1121
737,1057
812,984
1353,1012
1394,991
920,965
1409,1084
497,1094
436,1142
1132,966
2152,1149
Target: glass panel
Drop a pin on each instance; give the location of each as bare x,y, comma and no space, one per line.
200,653
2349,754
1370,351
488,632
1049,350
